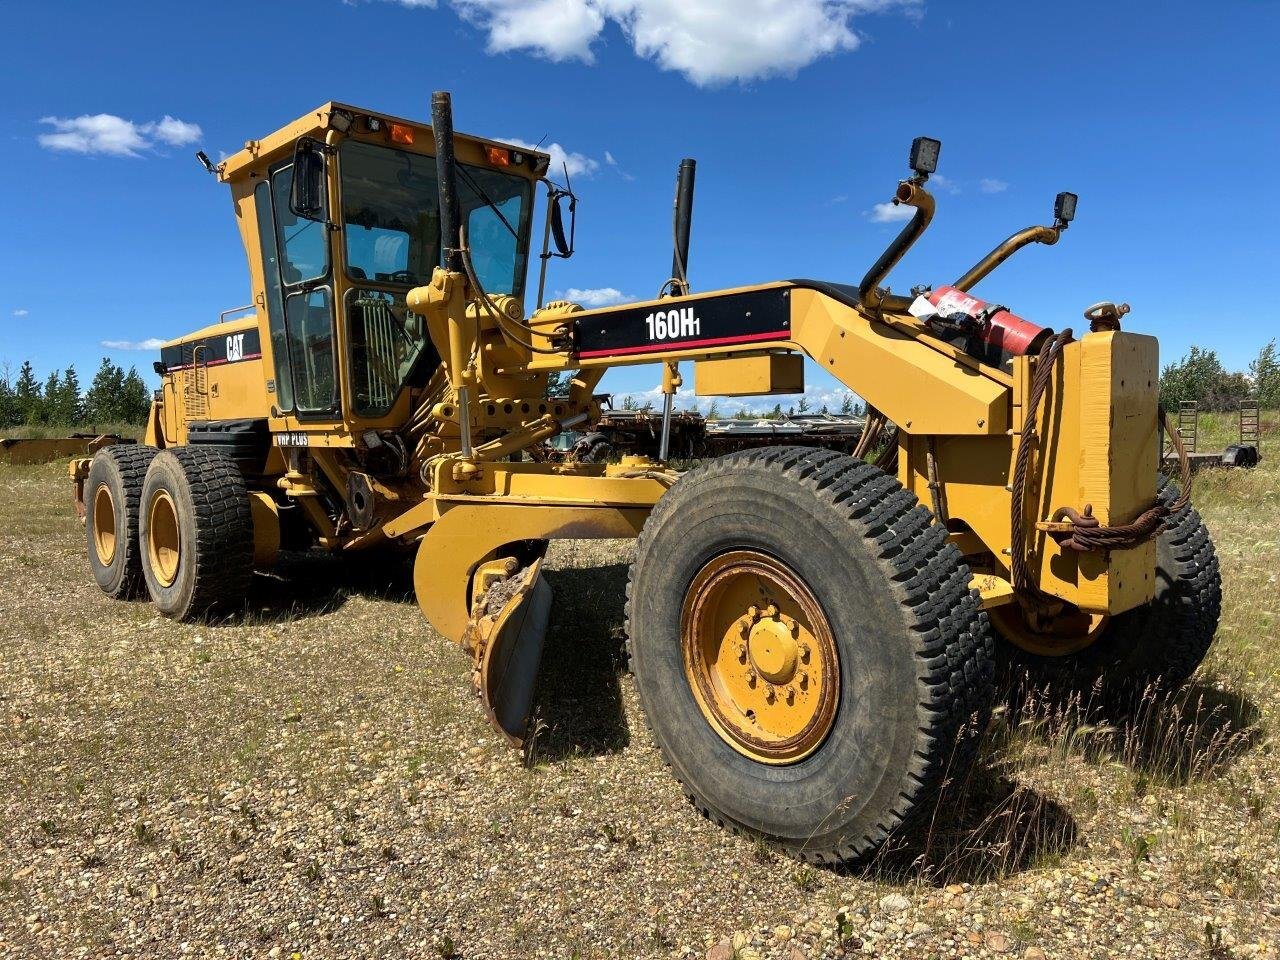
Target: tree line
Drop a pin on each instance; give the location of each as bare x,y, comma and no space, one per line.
1200,376
114,396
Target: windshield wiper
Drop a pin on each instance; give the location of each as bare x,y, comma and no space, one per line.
488,201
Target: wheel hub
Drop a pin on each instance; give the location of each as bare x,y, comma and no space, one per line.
760,657
163,539
1055,632
104,526
773,649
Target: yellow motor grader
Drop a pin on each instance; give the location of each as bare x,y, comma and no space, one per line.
814,636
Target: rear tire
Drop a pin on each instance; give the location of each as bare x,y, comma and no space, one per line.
1158,645
111,495
196,532
913,658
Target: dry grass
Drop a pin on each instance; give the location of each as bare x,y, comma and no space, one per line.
314,778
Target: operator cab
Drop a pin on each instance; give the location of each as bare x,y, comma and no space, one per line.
339,212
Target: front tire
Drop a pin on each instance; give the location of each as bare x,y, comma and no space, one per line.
826,550
196,532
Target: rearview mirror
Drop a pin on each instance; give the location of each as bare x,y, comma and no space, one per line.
564,246
308,196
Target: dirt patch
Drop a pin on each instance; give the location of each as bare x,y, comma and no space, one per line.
314,779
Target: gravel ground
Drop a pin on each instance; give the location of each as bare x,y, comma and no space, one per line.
314,779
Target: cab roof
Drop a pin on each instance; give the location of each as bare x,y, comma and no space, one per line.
369,125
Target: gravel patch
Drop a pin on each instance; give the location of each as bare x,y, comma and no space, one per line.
314,779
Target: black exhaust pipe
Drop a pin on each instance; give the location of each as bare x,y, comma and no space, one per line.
446,174
683,223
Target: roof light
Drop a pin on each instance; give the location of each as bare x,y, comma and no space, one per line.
924,155
1064,207
498,156
401,133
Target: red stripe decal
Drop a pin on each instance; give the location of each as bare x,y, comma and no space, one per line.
686,344
214,363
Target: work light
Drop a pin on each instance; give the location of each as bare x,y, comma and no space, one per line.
1064,207
924,154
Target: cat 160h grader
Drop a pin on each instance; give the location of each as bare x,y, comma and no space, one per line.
814,636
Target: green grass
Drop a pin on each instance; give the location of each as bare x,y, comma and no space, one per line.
43,432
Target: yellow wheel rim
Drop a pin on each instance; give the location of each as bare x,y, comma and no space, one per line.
760,657
163,541
104,526
1059,634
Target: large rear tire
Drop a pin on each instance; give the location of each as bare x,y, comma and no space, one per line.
1157,646
196,532
112,491
858,621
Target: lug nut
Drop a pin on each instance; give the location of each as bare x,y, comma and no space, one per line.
751,678
804,681
804,653
771,694
771,611
791,696
742,653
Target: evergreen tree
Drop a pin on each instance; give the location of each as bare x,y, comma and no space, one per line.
66,406
102,402
713,412
135,399
775,413
628,402
48,399
846,404
26,394
8,405
803,404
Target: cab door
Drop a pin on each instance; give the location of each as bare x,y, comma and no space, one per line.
299,302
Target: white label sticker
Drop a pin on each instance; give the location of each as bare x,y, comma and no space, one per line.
673,324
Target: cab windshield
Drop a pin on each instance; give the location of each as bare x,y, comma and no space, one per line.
391,220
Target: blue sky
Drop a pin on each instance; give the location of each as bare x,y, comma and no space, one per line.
1162,117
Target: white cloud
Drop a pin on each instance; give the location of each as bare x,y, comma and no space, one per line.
597,296
608,158
708,41
579,164
176,132
115,136
555,29
890,213
944,183
992,185
151,343
21,312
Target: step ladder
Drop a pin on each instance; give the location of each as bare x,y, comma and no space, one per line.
1249,423
1188,421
